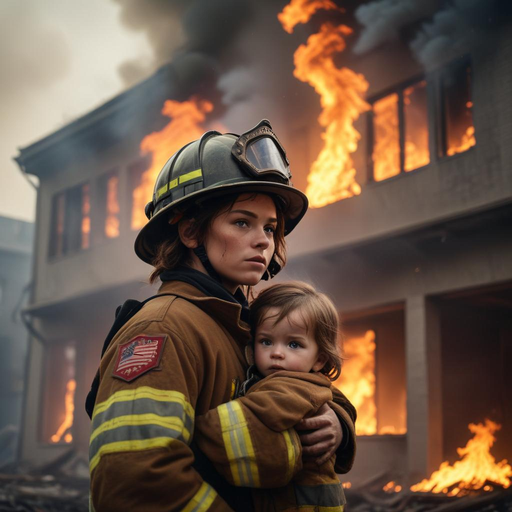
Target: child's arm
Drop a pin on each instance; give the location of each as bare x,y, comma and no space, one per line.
251,440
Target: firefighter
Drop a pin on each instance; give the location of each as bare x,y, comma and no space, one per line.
220,210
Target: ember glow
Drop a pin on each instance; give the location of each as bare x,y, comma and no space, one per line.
332,175
112,219
392,487
386,146
69,402
184,127
476,469
357,380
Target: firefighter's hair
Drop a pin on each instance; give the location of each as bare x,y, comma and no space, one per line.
318,313
173,253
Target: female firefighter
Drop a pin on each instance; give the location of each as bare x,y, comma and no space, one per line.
220,210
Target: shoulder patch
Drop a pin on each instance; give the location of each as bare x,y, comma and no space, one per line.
138,356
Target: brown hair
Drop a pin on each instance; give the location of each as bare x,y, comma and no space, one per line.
317,310
173,253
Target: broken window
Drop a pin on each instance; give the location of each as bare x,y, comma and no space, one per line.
59,393
70,221
373,372
458,129
399,131
108,204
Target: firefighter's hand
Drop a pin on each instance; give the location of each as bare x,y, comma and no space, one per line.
320,435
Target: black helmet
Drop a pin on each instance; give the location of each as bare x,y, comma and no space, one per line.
215,165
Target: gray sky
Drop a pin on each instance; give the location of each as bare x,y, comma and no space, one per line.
59,60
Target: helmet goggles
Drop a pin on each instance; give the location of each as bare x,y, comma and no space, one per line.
260,153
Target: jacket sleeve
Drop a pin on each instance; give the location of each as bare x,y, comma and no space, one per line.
251,440
347,415
140,455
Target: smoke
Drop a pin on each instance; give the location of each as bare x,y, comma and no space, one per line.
448,28
192,35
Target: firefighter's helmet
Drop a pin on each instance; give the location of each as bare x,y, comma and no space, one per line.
215,165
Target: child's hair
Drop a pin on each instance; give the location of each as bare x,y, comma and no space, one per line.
317,310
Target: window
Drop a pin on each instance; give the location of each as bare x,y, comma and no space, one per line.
399,131
108,204
142,183
70,221
59,393
458,130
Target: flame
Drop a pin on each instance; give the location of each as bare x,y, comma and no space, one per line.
358,380
112,220
332,175
386,147
86,219
300,11
416,127
468,140
346,485
69,401
184,127
392,487
474,470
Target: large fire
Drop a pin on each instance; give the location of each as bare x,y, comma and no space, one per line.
332,175
476,470
186,118
357,380
69,403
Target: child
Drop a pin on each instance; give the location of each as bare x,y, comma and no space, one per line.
296,356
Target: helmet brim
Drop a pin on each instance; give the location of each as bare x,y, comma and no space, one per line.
158,229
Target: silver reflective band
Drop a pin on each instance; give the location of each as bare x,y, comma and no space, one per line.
264,155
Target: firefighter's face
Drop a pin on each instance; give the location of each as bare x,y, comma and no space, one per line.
287,345
240,242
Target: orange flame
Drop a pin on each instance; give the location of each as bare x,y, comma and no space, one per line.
184,127
112,220
386,147
332,175
392,487
300,11
357,380
416,128
474,470
86,219
69,401
468,140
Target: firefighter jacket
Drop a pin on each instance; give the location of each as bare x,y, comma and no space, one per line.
271,408
177,358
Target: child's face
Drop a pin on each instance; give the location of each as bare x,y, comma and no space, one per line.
286,345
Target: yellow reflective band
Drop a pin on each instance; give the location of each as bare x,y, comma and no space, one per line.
129,446
161,190
202,499
190,176
145,392
238,444
341,508
291,454
173,183
171,422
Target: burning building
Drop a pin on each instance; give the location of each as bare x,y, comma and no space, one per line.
405,155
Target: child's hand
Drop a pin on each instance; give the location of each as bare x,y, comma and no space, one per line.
320,435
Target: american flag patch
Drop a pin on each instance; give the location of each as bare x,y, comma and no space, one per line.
138,356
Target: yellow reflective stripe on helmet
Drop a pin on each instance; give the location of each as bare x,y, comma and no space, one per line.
238,444
178,181
292,454
139,419
190,176
202,499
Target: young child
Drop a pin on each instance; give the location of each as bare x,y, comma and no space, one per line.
296,356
